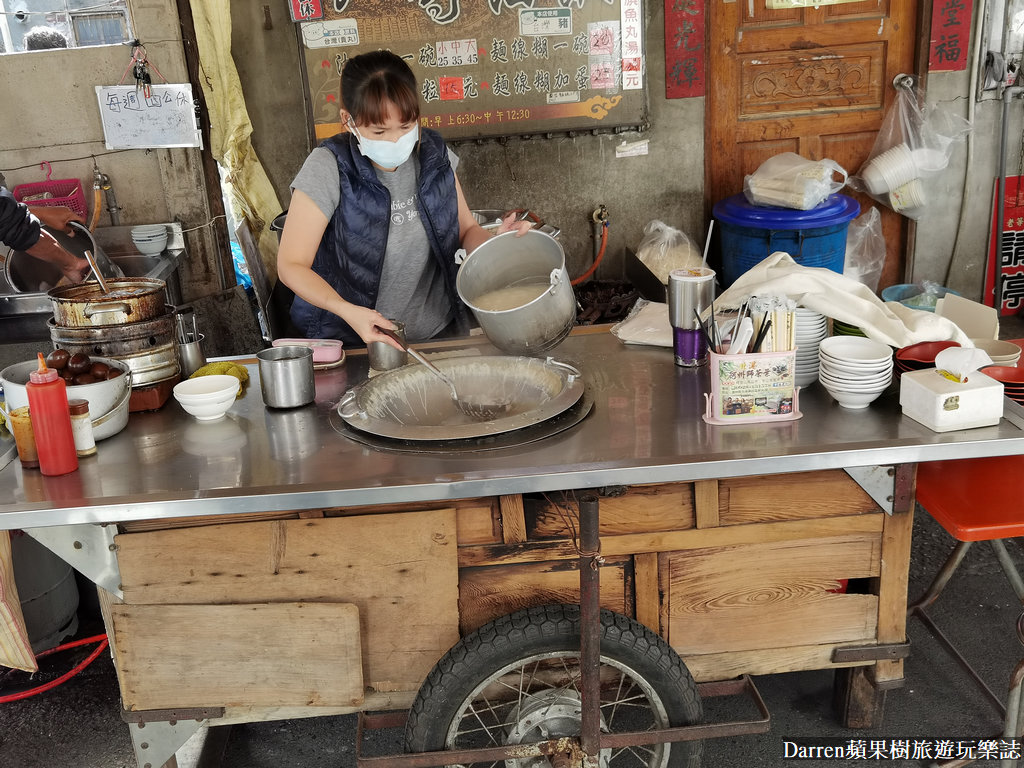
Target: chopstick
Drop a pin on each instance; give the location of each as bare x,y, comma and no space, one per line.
704,331
761,333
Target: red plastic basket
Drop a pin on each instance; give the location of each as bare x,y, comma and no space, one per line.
53,192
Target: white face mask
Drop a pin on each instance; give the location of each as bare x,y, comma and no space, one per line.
388,154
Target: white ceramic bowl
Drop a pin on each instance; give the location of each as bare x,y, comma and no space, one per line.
855,349
852,400
207,397
1001,352
150,246
148,229
843,368
878,385
108,400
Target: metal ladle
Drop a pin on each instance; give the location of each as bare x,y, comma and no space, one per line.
473,407
96,271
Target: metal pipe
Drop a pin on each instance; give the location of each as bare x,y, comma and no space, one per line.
590,629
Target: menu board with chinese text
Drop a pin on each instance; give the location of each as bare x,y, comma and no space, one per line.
491,68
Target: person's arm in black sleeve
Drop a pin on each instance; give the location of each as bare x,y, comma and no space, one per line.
18,227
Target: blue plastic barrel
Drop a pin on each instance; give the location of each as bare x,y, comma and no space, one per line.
815,238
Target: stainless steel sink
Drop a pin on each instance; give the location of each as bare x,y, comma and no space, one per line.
25,307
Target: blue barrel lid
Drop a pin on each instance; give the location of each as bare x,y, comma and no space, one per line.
835,209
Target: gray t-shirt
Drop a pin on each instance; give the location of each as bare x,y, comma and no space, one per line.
411,284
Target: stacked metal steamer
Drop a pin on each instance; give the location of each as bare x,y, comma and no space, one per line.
130,321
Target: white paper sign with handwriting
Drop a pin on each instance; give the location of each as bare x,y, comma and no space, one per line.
164,118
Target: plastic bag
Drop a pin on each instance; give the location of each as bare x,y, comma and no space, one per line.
791,181
913,146
665,248
865,249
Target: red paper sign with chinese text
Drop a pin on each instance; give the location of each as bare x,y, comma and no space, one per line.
684,48
306,10
951,35
1011,260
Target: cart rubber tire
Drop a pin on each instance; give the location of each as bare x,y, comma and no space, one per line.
553,629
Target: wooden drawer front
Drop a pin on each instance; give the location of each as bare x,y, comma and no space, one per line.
769,595
281,654
642,509
400,570
827,493
487,593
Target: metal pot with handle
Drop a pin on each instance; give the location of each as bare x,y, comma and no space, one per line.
127,300
519,292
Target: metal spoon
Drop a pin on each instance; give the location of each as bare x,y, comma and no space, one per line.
96,271
472,407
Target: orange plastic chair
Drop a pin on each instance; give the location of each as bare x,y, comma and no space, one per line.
976,500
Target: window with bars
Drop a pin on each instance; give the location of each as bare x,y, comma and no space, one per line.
33,25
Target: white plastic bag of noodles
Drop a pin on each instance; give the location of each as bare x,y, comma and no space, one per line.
665,248
865,249
912,148
791,181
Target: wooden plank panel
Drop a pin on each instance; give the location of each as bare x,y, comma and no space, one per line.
705,496
892,581
476,525
670,541
799,495
399,569
642,508
716,606
513,523
648,592
487,593
278,654
765,661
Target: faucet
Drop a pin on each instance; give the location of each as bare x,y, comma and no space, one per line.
102,181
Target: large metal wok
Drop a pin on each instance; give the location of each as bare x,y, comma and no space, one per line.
411,403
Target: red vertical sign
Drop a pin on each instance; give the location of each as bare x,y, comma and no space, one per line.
1011,260
306,10
684,48
951,35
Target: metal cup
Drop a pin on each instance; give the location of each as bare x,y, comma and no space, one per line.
286,376
384,357
690,292
191,356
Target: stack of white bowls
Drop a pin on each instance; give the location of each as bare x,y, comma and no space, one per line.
854,370
811,328
150,239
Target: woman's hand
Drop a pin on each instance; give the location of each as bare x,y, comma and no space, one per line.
366,321
511,223
57,217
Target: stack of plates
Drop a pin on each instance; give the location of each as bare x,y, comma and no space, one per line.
855,371
840,328
150,238
811,328
1012,378
1001,352
920,355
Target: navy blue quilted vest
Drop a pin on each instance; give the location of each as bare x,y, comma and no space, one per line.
351,251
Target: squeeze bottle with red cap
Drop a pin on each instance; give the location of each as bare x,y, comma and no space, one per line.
51,421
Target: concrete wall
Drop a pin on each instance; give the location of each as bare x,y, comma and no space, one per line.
952,249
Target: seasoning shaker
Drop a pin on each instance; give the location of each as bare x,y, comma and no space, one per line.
81,427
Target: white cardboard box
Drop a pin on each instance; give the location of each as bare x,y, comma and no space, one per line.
944,405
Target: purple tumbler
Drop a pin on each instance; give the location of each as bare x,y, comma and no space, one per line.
690,292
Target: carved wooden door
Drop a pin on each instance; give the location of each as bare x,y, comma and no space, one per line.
812,81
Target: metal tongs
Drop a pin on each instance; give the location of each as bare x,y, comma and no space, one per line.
188,329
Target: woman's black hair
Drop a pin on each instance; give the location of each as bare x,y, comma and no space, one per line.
370,80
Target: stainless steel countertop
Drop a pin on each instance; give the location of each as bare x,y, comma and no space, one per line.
645,427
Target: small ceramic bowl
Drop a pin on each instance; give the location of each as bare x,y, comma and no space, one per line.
207,397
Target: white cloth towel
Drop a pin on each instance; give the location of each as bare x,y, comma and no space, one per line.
843,299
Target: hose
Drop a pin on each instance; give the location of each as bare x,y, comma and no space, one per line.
97,197
103,643
597,259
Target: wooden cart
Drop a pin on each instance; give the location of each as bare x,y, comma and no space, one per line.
766,549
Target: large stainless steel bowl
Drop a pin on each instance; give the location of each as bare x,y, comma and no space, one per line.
412,403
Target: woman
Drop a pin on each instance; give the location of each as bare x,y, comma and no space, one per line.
376,216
